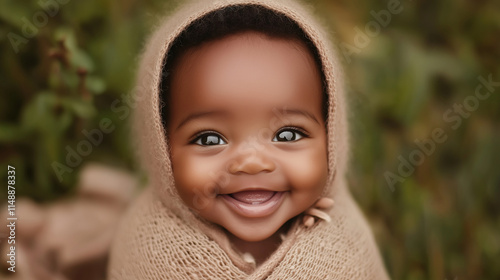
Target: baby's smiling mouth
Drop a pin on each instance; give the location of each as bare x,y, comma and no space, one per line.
254,203
253,197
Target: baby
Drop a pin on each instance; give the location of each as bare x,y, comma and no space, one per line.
240,118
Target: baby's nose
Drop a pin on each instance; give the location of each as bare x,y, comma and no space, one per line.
252,164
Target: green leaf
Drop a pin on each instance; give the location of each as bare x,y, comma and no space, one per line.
96,85
80,108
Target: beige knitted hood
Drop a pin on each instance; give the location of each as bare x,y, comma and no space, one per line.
160,238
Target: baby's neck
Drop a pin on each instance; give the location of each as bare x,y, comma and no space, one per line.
260,250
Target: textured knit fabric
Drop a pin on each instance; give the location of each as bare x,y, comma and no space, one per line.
161,238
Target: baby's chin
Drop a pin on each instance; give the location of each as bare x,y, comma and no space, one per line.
255,235
255,231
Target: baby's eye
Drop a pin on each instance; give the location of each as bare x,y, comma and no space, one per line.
209,139
288,134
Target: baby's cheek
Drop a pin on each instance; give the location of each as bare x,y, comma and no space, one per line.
193,178
309,172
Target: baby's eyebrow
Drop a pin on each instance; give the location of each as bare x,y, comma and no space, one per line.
200,115
300,112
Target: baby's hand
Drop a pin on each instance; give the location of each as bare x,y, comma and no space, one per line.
314,211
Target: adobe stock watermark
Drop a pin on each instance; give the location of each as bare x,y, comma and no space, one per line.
454,117
362,39
39,19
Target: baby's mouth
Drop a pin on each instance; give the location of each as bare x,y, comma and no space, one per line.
254,203
253,197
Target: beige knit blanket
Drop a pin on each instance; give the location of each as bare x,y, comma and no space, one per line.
160,238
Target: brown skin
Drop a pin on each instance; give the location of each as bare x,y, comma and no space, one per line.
260,89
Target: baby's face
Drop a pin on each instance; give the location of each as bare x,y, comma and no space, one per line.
247,136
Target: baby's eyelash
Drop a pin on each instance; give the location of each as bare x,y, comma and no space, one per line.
200,133
300,130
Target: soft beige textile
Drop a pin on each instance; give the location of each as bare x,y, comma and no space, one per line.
160,238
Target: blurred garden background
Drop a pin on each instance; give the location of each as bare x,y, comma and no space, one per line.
424,93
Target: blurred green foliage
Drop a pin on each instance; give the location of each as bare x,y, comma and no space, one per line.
65,74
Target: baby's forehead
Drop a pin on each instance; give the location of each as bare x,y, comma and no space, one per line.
239,52
243,44
245,76
246,60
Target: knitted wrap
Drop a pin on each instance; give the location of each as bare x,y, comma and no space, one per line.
161,238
